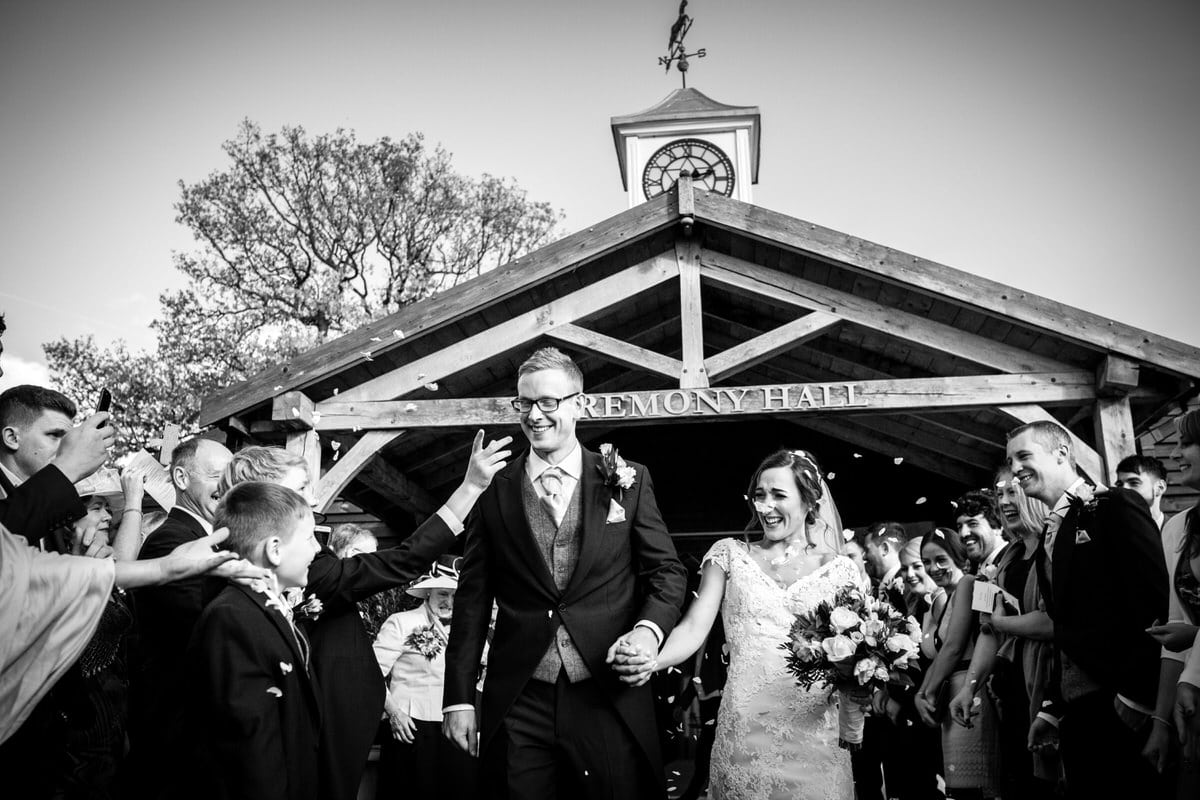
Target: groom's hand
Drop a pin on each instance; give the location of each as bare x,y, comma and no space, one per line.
460,728
633,656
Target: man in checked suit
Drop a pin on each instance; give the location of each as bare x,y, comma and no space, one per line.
1105,581
576,561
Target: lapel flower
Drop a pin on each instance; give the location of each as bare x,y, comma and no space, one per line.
427,641
617,475
309,608
988,572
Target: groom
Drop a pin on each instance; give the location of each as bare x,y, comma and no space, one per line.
575,561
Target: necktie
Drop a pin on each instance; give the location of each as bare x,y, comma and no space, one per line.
552,499
1053,523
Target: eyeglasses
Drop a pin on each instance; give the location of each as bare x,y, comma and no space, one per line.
544,404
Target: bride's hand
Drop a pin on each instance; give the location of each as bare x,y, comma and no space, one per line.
633,665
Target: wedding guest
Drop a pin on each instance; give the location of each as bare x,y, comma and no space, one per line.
167,615
351,690
969,754
921,594
855,544
888,753
1147,476
250,704
1187,704
1109,666
1181,551
416,760
980,531
42,455
1013,656
349,539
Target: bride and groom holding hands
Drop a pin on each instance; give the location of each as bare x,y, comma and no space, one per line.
571,547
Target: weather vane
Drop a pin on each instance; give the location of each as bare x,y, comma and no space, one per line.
676,53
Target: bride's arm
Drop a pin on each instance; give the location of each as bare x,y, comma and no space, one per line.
686,638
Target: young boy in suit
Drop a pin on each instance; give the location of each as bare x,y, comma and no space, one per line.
251,719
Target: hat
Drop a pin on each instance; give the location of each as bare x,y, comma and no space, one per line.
105,483
442,575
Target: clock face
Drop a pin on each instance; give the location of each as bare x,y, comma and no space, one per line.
710,167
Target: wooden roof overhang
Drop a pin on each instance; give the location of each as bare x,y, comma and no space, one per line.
695,292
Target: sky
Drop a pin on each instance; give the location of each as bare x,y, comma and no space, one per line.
1054,147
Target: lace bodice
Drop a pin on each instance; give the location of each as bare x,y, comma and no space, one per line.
774,740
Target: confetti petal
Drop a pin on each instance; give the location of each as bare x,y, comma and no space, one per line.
367,355
316,415
399,334
295,411
285,667
280,386
376,339
898,460
335,444
920,500
274,691
335,391
410,408
432,386
857,455
830,476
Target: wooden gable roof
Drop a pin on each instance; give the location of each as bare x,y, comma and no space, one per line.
697,290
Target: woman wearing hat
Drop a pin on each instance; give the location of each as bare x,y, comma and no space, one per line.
416,760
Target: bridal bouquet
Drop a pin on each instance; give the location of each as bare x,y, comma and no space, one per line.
855,644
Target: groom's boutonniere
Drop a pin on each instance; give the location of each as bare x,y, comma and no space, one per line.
618,476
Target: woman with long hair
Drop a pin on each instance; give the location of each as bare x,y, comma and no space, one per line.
1013,648
773,739
968,753
1181,550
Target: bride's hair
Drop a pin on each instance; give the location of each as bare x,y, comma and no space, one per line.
808,480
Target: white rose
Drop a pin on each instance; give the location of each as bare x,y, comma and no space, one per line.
904,646
856,637
881,674
873,629
864,670
843,619
838,648
605,449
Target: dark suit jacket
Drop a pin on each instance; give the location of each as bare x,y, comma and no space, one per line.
351,687
250,710
1106,591
166,616
40,505
627,571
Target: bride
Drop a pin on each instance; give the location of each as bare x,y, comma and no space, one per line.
774,740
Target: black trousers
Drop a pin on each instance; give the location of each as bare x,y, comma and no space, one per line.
907,756
1101,755
432,766
565,741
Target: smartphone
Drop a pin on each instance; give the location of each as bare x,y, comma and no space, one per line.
104,402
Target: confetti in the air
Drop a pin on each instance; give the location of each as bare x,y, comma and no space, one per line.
367,355
399,334
830,476
858,455
898,460
432,386
376,339
920,500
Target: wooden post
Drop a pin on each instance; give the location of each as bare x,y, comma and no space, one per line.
695,376
350,464
1114,433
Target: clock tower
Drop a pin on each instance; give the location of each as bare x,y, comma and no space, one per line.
690,131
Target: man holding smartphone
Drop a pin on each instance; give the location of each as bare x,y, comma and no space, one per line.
42,455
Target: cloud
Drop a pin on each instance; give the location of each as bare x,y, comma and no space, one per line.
18,371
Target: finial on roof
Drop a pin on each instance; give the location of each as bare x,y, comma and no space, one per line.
676,52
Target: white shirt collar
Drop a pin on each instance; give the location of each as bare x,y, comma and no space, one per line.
572,465
208,528
995,554
13,478
1064,502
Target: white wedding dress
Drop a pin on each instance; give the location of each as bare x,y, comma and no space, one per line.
774,740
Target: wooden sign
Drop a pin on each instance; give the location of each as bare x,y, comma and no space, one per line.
886,396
